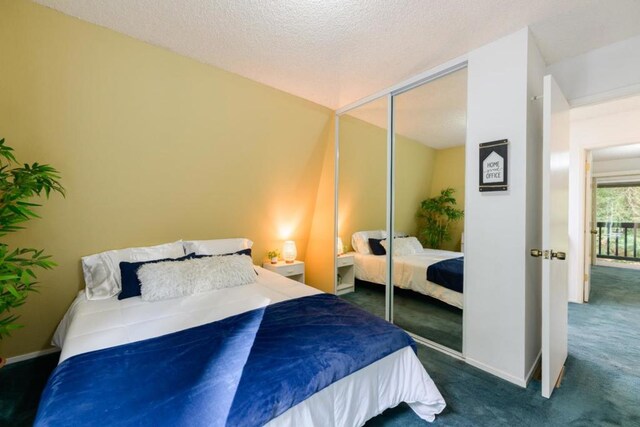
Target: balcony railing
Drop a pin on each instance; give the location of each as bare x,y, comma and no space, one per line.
618,240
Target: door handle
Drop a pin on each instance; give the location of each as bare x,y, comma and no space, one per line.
559,255
536,253
594,231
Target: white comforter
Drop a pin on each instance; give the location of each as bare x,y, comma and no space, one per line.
399,377
409,272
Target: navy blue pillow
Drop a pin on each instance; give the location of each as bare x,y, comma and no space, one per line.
240,252
376,247
129,275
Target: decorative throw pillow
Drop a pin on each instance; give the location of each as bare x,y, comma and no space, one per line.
217,246
376,247
165,280
129,275
402,246
360,240
240,252
102,272
413,241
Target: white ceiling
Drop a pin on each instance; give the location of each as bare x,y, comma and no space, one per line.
333,52
434,114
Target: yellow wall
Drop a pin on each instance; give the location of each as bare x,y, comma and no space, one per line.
320,250
152,147
414,167
363,179
448,171
362,183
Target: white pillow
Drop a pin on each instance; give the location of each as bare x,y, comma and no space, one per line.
404,246
164,280
360,240
413,241
102,271
216,247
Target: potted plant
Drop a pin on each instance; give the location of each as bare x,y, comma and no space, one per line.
273,256
18,185
434,217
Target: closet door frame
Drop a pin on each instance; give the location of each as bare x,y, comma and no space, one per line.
390,93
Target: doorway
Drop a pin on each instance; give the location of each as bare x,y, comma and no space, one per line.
612,210
605,153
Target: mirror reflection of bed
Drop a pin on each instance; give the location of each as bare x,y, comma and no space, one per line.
362,192
432,308
428,204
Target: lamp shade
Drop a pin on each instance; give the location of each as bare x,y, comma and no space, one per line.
289,251
339,246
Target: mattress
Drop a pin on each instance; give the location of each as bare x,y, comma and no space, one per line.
409,272
398,377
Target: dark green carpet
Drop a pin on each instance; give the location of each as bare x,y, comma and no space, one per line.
20,387
601,386
428,317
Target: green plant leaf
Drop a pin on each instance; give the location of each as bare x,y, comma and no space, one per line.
12,290
18,186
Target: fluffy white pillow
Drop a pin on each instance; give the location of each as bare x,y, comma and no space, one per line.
413,241
404,246
102,271
164,280
216,247
360,240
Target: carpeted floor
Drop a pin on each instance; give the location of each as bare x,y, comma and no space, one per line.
601,386
427,317
20,387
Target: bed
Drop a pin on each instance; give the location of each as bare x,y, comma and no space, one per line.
187,360
410,271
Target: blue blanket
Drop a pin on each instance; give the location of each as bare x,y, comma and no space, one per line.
448,273
240,371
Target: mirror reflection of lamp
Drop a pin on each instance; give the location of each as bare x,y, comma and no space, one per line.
289,251
339,246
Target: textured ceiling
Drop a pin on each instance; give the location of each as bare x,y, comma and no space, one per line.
334,51
434,114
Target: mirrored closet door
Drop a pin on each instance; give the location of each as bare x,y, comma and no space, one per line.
400,172
429,123
362,205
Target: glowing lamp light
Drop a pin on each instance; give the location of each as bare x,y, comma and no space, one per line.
339,246
289,251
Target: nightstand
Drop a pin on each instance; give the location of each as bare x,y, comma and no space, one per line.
346,274
294,270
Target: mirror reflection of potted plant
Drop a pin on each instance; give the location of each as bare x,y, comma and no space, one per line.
273,256
435,216
18,186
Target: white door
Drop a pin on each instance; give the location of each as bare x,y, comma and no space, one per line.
589,227
555,233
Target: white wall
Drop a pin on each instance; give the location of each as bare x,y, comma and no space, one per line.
502,305
606,73
614,166
588,132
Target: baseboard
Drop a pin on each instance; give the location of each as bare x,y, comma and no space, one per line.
533,367
32,355
438,347
498,373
